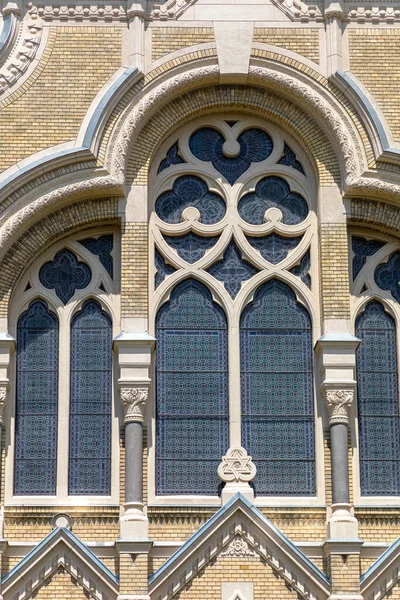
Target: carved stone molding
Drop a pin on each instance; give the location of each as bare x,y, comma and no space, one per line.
3,400
131,14
334,14
309,93
89,188
23,54
97,11
237,466
134,400
238,548
338,403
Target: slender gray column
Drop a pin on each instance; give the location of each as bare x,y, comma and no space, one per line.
338,402
340,464
133,462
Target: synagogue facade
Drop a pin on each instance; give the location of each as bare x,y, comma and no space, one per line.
199,300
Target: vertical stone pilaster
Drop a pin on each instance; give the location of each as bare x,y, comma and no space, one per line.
136,13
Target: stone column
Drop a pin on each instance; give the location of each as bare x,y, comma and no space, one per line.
136,13
134,360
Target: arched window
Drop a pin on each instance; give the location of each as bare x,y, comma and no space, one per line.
234,218
277,391
64,417
90,401
192,391
36,412
378,402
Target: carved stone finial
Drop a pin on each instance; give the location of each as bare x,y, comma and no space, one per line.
134,401
3,400
338,403
237,466
334,13
131,14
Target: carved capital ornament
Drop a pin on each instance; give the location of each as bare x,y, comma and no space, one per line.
134,401
338,403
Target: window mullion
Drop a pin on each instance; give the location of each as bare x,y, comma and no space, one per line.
63,411
235,417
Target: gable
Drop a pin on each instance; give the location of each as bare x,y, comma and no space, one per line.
240,541
60,585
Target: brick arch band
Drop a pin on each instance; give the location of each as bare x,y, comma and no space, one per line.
41,234
247,100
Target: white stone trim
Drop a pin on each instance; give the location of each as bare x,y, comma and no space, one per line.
110,302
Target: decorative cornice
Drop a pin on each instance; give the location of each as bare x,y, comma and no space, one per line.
338,403
82,11
23,54
237,466
334,14
131,14
134,400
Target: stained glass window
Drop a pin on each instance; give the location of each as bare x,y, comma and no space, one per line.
65,274
90,402
378,402
387,276
192,391
289,159
209,145
362,249
101,247
273,192
172,158
191,247
162,269
277,391
274,248
35,469
232,270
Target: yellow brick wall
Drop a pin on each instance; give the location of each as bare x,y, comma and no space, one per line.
207,584
304,41
344,573
169,39
374,60
52,109
378,524
133,574
60,586
134,270
334,267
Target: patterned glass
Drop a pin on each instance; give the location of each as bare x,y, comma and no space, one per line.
162,270
65,274
362,249
273,192
190,247
387,276
378,404
232,270
274,248
172,158
303,270
277,391
190,191
90,402
254,145
289,159
192,391
101,247
35,466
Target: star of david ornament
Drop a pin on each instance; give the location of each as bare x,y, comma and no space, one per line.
237,466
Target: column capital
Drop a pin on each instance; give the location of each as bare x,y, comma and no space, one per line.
133,399
338,402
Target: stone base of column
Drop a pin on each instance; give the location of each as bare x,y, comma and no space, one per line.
231,489
133,524
125,597
346,597
342,525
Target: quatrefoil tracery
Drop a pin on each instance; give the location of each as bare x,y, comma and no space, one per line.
205,225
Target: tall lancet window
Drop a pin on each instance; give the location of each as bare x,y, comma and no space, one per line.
64,398
233,286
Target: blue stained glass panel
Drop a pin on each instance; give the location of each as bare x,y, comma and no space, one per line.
303,270
274,248
172,158
289,159
191,391
232,270
387,276
65,274
190,191
190,247
277,382
101,247
163,269
36,419
254,145
378,409
273,192
362,249
90,402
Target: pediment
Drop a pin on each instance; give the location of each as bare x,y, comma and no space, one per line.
60,550
239,530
